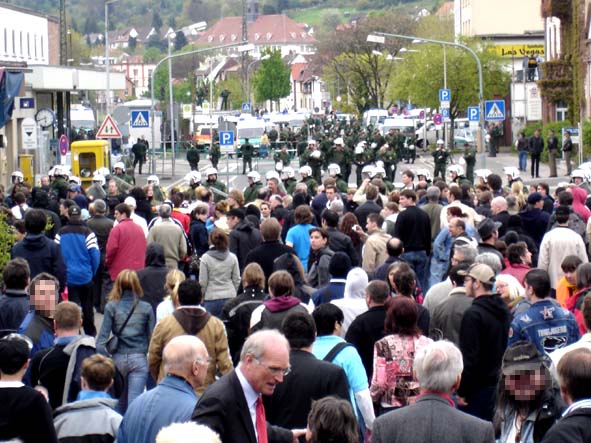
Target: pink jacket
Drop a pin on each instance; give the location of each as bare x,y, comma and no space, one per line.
126,248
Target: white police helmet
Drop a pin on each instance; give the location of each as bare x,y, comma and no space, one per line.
154,180
511,171
456,169
440,142
483,174
287,172
334,169
359,148
193,177
17,177
256,177
119,165
75,180
579,173
306,170
272,175
368,170
98,178
339,141
211,171
423,173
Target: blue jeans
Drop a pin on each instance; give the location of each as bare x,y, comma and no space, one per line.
134,368
418,261
523,160
214,307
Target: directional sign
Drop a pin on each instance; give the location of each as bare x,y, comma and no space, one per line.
140,119
64,144
473,113
246,107
445,112
437,119
108,129
444,95
494,110
29,133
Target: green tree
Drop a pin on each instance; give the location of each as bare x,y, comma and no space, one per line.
180,40
272,80
152,55
233,83
362,72
156,21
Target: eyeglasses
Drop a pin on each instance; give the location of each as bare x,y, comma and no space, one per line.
274,371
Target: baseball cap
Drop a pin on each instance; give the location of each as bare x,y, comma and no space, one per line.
74,188
480,272
534,197
130,201
487,227
235,212
522,356
74,210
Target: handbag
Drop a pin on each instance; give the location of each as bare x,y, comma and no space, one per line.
112,343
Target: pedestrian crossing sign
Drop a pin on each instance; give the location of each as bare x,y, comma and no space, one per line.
494,110
108,129
140,119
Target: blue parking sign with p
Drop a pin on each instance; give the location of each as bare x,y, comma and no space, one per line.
444,95
226,138
473,113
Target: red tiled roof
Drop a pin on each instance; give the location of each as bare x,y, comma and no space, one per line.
297,69
446,8
266,29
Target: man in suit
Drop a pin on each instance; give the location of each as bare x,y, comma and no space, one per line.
233,405
433,418
310,378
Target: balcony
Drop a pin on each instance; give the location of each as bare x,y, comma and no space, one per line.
557,80
561,9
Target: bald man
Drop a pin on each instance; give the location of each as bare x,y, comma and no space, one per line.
498,208
185,363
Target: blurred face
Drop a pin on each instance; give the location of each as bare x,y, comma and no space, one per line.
330,194
317,241
471,285
526,258
406,179
232,221
266,372
150,191
45,297
541,190
272,185
525,385
118,171
265,211
454,229
112,188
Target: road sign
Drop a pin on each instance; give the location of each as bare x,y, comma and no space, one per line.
29,133
246,107
27,103
444,95
494,110
437,119
226,138
108,129
445,112
140,119
473,113
574,134
63,144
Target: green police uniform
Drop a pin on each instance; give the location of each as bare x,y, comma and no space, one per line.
440,157
193,158
220,186
470,159
290,185
312,185
215,154
251,192
247,151
282,157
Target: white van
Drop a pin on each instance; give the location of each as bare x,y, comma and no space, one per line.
374,116
82,117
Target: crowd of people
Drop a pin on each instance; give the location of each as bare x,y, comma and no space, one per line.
439,310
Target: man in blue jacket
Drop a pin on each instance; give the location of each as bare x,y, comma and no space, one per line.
82,256
545,324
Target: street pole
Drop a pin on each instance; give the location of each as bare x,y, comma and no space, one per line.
170,96
107,57
378,37
152,76
445,87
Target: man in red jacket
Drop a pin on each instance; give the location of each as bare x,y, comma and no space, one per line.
126,246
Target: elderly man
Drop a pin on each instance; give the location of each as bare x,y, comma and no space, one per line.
170,235
185,364
233,406
433,417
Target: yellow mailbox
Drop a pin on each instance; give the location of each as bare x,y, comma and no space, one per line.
88,156
25,162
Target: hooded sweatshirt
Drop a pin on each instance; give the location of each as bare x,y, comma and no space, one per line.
274,310
483,339
153,276
192,320
579,197
353,304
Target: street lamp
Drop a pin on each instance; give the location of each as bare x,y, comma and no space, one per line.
380,37
264,57
107,55
242,47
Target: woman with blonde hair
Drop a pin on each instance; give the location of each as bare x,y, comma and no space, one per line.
517,192
512,293
235,198
130,322
170,302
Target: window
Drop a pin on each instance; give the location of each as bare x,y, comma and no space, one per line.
561,111
5,41
13,42
35,45
135,73
28,45
21,43
42,48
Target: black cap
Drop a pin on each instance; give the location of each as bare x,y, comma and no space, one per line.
534,197
487,227
74,210
522,356
235,212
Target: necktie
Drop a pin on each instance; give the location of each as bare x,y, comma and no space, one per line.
261,422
